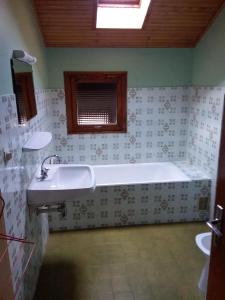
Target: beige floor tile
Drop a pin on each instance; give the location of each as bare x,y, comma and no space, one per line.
118,269
102,296
139,285
156,262
143,296
124,296
120,284
100,286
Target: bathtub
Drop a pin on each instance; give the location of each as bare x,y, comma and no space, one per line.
143,173
136,194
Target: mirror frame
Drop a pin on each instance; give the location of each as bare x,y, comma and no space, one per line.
26,107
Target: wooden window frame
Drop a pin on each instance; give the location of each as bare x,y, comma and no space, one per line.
71,79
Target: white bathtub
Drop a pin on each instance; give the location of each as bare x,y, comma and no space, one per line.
137,194
144,173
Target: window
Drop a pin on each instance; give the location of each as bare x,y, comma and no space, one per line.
129,3
126,14
96,102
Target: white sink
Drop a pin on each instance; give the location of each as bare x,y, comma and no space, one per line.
64,182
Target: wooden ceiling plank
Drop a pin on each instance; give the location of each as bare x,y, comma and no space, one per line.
168,24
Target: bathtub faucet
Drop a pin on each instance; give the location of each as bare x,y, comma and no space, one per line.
44,171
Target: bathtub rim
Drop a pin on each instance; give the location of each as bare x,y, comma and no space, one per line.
143,182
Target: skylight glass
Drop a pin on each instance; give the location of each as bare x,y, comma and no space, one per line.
122,17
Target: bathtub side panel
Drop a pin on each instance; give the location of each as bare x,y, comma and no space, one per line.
136,205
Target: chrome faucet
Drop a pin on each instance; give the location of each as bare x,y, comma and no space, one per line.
44,171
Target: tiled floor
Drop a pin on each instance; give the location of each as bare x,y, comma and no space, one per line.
155,262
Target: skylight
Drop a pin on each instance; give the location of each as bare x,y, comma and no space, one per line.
121,16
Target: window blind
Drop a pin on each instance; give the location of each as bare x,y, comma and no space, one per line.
96,103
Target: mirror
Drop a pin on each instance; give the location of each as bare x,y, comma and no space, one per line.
23,86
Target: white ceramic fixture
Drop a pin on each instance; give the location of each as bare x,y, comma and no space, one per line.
203,241
143,173
37,141
64,182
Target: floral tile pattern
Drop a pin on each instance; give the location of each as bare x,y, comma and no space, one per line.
14,179
206,109
157,130
137,204
164,124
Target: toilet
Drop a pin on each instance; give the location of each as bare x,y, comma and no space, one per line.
203,241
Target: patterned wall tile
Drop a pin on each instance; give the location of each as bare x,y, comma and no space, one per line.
137,204
206,108
14,179
164,124
157,130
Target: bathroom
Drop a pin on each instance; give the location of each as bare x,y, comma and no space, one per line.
127,239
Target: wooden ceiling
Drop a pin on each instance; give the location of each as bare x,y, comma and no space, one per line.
169,23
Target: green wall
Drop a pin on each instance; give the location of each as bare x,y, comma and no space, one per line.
204,65
209,56
146,67
19,30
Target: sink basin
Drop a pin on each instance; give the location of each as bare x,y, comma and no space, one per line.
64,183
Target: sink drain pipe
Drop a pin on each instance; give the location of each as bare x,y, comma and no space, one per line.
60,208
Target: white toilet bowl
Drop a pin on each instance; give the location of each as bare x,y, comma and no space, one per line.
203,241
